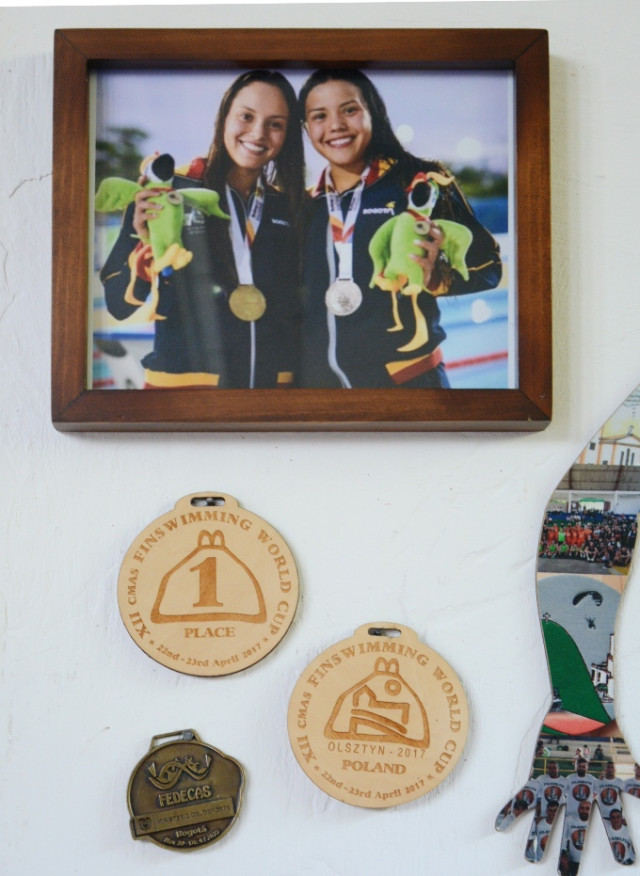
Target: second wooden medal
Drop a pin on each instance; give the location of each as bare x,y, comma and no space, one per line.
378,719
209,588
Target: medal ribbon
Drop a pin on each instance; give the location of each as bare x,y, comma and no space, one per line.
342,228
242,242
340,238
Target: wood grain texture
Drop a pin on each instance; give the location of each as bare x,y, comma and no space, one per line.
74,407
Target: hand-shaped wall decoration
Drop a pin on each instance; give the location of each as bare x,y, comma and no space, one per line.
586,546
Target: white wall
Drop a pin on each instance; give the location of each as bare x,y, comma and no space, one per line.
435,531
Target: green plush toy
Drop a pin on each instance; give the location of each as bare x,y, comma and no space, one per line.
392,244
165,230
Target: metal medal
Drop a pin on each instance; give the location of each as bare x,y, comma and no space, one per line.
184,794
247,302
378,719
209,588
343,297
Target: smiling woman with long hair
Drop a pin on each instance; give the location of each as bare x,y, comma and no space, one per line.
231,317
365,326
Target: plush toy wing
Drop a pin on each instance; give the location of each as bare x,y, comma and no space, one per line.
205,200
457,240
380,250
115,193
165,231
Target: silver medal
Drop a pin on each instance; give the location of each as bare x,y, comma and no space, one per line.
343,297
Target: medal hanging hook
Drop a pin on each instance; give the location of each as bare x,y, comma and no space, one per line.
177,735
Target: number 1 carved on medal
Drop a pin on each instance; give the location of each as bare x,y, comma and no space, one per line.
208,583
225,587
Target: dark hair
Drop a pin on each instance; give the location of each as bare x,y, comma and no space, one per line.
287,172
384,143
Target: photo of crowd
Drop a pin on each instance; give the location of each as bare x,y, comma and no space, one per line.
586,540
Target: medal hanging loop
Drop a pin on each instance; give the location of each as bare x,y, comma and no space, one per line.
345,259
344,296
177,735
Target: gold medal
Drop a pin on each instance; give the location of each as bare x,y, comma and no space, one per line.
184,794
378,719
247,303
209,588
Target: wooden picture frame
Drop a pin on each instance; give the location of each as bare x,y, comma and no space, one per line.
76,406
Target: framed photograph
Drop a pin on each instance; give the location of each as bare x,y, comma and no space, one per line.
318,230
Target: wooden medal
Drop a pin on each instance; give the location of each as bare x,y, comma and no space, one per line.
378,719
209,588
184,794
